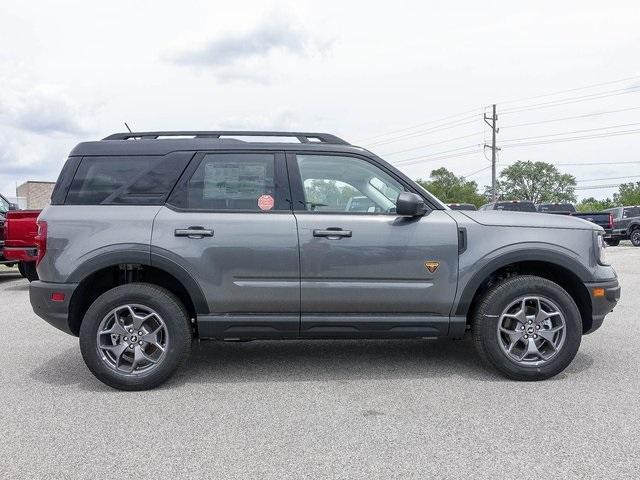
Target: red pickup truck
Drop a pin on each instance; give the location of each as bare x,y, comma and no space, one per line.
20,230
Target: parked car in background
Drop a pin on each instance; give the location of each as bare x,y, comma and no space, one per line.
5,206
462,206
511,206
556,208
20,231
626,223
149,243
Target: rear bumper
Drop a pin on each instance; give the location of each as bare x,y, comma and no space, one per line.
602,305
53,312
20,254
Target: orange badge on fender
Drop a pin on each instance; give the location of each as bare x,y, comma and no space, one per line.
432,266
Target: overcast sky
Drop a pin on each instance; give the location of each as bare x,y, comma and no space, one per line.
74,71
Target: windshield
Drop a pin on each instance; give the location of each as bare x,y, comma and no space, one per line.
4,205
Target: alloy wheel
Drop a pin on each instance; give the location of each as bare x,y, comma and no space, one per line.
132,339
531,330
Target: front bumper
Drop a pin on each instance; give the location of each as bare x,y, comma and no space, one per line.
54,312
602,305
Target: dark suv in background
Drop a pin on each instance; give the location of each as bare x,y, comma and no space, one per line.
151,241
626,223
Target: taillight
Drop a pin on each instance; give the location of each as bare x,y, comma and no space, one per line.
41,240
611,220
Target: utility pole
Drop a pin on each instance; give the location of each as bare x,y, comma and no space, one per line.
494,149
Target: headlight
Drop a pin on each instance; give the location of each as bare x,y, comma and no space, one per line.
601,250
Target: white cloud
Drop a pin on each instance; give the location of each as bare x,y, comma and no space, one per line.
244,55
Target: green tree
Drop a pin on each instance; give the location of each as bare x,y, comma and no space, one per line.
449,188
628,194
537,182
592,205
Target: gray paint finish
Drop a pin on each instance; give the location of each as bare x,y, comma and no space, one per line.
249,265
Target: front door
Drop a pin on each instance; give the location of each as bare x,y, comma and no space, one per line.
366,271
229,224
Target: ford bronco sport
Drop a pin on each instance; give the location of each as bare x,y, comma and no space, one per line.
152,239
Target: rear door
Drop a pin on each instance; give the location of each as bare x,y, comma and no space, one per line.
229,223
365,271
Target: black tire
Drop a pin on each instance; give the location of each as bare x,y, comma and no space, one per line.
29,269
634,236
613,242
175,317
487,315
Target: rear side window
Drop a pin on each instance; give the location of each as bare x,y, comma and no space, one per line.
232,182
630,212
128,180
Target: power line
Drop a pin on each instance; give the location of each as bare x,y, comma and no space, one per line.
571,139
444,157
595,187
437,128
571,90
467,175
584,98
421,124
595,163
438,153
436,143
568,118
572,131
607,178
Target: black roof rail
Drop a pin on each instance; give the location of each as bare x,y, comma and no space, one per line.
303,137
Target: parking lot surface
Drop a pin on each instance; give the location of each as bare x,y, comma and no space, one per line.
321,409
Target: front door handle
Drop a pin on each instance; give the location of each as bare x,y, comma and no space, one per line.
332,233
193,232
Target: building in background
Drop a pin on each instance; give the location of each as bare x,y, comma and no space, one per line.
36,194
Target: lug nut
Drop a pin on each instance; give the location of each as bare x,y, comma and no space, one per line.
537,327
526,336
126,339
522,327
131,346
530,322
140,333
535,336
131,330
139,343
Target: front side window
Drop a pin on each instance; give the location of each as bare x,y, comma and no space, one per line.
338,184
233,181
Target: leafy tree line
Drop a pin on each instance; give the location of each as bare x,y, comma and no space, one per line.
538,182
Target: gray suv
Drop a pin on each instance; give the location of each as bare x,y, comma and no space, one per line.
154,238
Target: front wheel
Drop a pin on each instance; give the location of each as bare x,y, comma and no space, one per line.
135,336
634,236
527,327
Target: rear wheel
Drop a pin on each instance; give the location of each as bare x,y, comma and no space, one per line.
613,242
135,336
28,270
527,327
634,236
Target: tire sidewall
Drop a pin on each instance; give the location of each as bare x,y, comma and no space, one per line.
635,237
498,300
158,299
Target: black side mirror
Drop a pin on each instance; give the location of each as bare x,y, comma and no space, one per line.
410,205
13,206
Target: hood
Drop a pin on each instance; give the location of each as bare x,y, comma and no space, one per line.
497,218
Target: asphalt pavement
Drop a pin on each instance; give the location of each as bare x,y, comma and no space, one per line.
321,409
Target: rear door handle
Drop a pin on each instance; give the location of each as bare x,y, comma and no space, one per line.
193,232
332,233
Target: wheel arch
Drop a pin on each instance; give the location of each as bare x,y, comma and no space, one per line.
564,270
105,271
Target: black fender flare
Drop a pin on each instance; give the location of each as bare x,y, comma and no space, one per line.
142,255
497,260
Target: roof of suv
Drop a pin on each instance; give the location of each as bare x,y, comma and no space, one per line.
161,143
